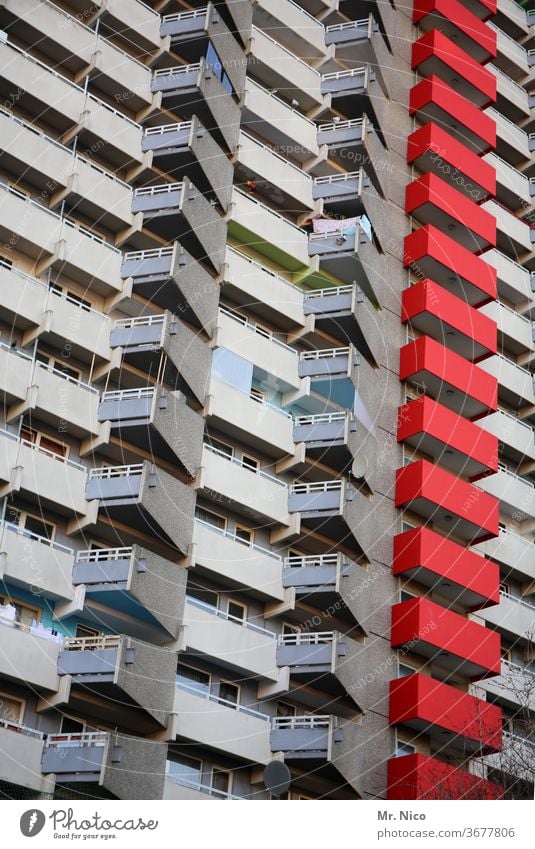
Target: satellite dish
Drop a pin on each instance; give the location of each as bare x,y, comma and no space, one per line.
277,778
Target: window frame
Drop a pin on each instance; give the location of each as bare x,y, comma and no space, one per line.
22,706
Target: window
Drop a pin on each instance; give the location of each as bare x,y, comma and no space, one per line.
221,447
405,596
250,462
26,614
505,588
288,628
5,261
11,709
221,780
194,679
229,692
244,534
58,365
404,670
286,709
237,610
185,770
44,442
213,60
86,631
72,297
404,749
32,524
257,395
206,596
211,518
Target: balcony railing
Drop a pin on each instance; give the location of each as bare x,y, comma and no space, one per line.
340,125
176,71
211,697
320,418
325,354
24,532
271,211
105,641
68,377
518,477
243,464
331,291
153,253
340,75
299,722
84,740
256,328
128,394
162,189
21,729
270,150
183,16
296,562
317,486
100,555
235,538
167,128
279,46
202,788
301,638
222,614
40,450
107,472
517,600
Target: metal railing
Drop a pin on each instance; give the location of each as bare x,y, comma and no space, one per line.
177,71
263,403
68,377
242,462
76,302
183,16
24,532
140,321
517,600
361,22
321,418
128,394
339,75
300,638
331,291
508,471
298,562
325,353
258,329
105,641
340,125
21,729
211,697
300,722
338,178
73,740
315,486
152,253
161,189
201,788
222,614
26,442
102,555
235,538
107,472
167,128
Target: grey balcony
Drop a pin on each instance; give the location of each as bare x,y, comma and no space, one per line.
171,279
346,83
343,134
153,416
137,582
342,193
189,149
21,749
346,254
122,671
349,35
178,211
327,361
345,312
127,767
334,509
196,89
303,737
145,339
337,440
144,498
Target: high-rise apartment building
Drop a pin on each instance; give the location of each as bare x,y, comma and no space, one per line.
267,459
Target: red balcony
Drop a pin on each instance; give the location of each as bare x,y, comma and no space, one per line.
435,54
438,634
453,442
422,777
433,150
484,9
430,200
435,255
451,504
434,100
456,572
449,716
446,318
457,23
448,378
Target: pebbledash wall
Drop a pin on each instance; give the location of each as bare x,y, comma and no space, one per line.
266,349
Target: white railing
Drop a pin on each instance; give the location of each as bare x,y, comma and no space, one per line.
298,562
258,329
517,600
68,377
100,555
300,722
211,697
153,253
300,638
24,532
339,75
162,189
321,418
521,539
222,614
201,788
261,267
271,211
361,22
21,729
74,225
331,291
177,71
517,668
270,406
128,394
515,365
256,30
235,538
507,471
40,450
242,462
83,740
107,472
183,16
304,12
272,152
273,96
315,486
518,421
17,352
76,302
340,125
105,641
167,128
500,74
325,354
337,178
518,739
140,321
513,312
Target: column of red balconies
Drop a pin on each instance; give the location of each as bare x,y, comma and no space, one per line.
445,256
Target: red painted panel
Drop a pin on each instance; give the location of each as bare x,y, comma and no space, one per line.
435,53
430,13
420,701
418,776
419,620
424,354
452,161
455,109
431,245
423,550
426,416
427,297
430,194
422,482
